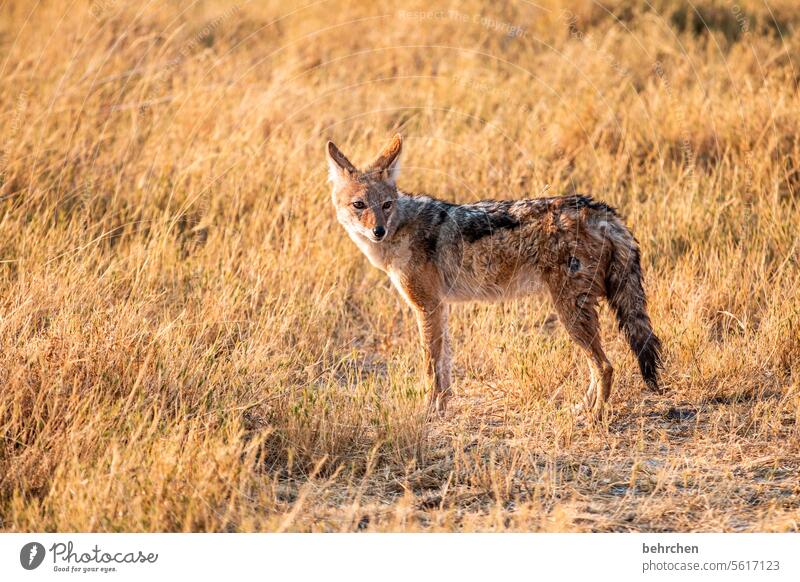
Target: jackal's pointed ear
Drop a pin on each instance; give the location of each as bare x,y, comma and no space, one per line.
388,163
339,167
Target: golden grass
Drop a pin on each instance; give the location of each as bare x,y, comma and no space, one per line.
188,340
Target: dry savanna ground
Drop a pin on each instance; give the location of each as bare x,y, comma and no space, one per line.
189,342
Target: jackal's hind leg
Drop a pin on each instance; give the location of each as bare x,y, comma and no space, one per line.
602,370
580,319
589,399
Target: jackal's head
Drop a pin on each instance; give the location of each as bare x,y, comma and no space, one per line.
366,201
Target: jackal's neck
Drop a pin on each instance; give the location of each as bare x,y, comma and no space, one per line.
407,208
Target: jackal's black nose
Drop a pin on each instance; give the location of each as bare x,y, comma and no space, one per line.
379,231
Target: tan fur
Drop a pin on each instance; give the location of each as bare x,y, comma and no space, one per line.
435,253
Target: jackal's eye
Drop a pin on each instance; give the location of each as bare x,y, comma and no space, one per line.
359,205
387,205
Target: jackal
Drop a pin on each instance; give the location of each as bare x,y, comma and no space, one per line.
435,252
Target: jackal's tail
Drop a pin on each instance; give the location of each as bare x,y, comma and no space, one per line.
625,294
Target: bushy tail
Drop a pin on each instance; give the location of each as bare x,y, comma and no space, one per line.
625,294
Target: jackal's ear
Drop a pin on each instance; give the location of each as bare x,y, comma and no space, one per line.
388,163
339,167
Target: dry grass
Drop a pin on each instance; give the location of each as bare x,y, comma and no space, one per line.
188,341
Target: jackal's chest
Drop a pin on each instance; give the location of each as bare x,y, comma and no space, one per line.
387,256
374,253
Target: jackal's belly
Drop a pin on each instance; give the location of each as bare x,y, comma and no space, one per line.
468,285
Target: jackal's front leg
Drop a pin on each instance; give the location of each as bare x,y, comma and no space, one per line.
432,322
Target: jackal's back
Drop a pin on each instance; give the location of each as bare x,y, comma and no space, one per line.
497,249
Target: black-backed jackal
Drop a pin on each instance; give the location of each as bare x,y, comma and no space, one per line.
435,252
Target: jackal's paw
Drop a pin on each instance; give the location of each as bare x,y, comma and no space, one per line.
580,414
579,409
599,414
438,405
586,415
